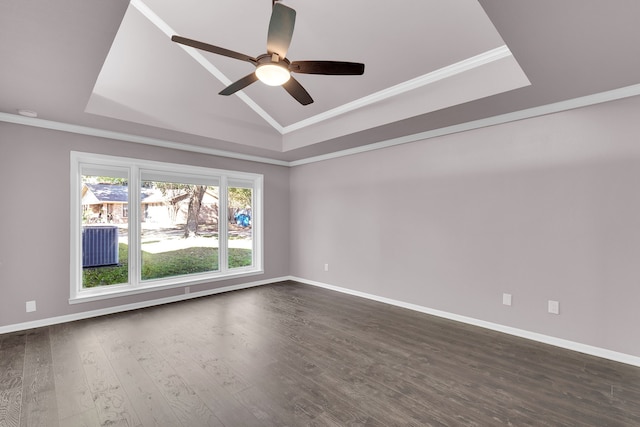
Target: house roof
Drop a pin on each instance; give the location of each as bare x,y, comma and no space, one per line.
111,193
109,68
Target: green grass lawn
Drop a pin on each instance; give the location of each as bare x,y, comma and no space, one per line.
165,264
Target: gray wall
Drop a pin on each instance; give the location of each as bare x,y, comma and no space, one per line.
34,219
545,208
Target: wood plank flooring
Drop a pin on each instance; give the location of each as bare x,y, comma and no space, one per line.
294,355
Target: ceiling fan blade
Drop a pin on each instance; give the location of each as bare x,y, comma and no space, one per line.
296,90
281,25
239,85
336,68
214,49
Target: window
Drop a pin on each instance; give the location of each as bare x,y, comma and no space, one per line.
240,235
139,225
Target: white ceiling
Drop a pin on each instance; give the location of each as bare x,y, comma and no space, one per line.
419,57
109,66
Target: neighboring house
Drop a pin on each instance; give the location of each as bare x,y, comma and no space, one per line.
173,207
102,203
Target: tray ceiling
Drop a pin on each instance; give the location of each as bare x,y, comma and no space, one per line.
419,57
109,68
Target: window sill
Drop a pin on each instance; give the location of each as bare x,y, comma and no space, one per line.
118,291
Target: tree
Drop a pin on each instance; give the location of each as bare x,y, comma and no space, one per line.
104,180
239,198
196,193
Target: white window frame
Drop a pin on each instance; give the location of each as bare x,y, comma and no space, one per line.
134,169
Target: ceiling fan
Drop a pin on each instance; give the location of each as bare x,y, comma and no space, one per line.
273,68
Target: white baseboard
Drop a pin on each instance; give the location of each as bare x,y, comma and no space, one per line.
128,307
558,342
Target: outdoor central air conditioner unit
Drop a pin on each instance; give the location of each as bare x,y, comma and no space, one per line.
99,245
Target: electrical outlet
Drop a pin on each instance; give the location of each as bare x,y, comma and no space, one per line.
31,306
554,307
326,267
506,299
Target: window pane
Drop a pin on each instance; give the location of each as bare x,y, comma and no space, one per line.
179,229
240,233
105,244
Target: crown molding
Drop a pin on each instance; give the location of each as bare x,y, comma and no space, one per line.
120,136
585,101
420,81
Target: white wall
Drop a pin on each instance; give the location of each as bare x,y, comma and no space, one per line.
545,208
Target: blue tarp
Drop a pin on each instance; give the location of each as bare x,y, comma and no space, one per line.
243,219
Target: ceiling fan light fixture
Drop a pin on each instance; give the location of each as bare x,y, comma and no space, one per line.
273,68
273,74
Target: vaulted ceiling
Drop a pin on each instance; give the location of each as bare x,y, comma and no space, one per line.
429,65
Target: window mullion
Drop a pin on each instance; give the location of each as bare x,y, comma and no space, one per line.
76,226
223,227
134,226
257,223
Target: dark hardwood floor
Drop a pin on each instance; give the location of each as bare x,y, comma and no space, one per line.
295,355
